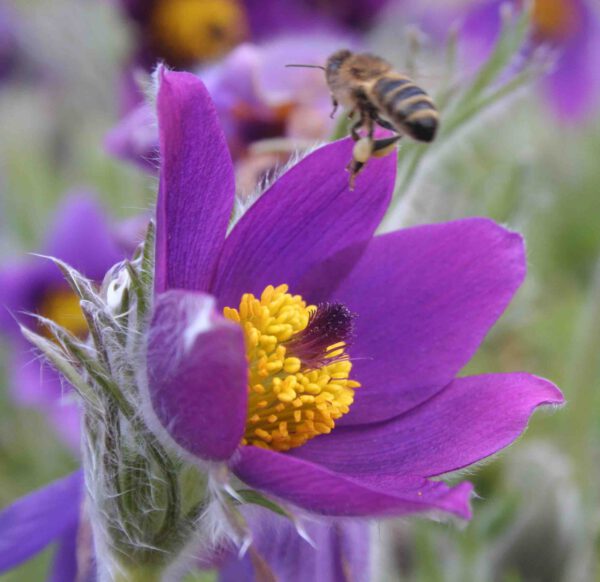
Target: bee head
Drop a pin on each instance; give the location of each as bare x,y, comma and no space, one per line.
335,61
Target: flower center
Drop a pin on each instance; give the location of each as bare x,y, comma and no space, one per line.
298,367
186,31
554,19
62,307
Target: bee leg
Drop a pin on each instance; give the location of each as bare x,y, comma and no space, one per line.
361,153
354,167
385,124
355,127
363,121
370,127
382,147
335,104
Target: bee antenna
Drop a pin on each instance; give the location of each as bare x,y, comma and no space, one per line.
308,66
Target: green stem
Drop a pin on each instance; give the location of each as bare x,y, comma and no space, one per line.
582,382
147,573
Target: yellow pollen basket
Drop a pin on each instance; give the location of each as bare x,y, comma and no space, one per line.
289,402
62,307
554,19
187,31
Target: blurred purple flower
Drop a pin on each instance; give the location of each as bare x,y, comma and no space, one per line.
269,17
48,515
570,27
186,33
9,41
53,514
82,237
340,551
256,98
424,297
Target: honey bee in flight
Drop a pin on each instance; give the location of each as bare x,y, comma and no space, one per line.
374,94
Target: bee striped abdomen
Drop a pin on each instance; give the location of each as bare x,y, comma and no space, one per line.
407,106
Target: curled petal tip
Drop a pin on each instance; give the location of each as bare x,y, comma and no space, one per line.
197,375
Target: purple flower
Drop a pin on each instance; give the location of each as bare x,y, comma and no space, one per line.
340,551
39,519
80,236
186,32
53,515
350,406
256,98
269,17
570,27
9,41
341,399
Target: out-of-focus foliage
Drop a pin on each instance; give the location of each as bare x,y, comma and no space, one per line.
539,503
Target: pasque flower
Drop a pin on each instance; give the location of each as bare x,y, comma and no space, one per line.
52,515
9,42
570,28
257,99
188,33
338,551
319,361
81,236
294,352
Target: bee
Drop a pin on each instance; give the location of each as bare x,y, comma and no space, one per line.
374,94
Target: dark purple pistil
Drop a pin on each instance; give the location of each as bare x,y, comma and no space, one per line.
329,324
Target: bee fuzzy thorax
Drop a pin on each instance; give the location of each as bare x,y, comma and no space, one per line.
375,94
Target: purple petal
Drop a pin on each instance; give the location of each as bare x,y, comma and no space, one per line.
197,374
64,567
35,383
10,41
340,551
22,285
36,520
135,139
196,184
425,298
317,489
573,87
356,13
271,18
472,418
82,237
307,215
136,9
480,30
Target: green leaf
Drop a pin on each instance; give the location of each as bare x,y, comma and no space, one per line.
254,497
148,258
81,286
137,285
57,357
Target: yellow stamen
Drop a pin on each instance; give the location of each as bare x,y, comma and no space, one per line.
554,19
187,31
62,307
288,402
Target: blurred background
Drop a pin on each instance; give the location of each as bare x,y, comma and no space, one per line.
520,99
